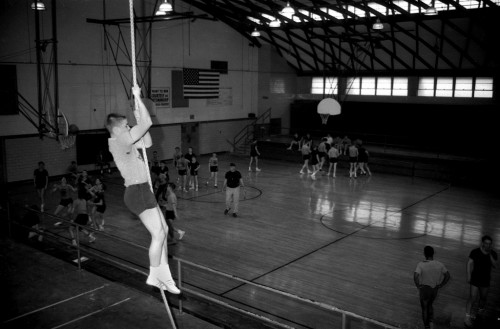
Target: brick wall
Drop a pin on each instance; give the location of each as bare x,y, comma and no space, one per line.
23,154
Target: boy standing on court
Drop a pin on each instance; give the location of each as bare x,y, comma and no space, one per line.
429,276
232,183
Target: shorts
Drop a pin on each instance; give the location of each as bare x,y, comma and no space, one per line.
427,293
253,154
322,155
480,281
66,202
40,186
101,209
82,219
169,214
306,157
214,168
193,172
353,159
333,160
182,172
139,197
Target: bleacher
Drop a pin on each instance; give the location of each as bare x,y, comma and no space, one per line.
399,160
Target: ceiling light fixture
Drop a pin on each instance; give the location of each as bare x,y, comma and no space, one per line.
166,7
160,13
431,11
275,23
378,25
255,33
38,5
287,11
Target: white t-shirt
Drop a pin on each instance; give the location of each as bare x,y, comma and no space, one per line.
128,159
430,272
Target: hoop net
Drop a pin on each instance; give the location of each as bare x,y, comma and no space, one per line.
324,117
67,142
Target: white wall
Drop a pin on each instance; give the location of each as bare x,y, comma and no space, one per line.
277,84
89,84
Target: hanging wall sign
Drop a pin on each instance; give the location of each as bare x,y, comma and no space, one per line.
161,96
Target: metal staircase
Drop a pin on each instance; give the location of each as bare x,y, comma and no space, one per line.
258,128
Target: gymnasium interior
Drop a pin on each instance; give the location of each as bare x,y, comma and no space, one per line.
415,82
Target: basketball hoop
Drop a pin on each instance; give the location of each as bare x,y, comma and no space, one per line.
67,142
324,117
327,107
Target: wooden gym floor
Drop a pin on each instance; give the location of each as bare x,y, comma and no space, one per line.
349,243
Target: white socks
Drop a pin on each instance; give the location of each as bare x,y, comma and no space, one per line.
161,277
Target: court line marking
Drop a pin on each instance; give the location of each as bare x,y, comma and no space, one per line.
334,241
56,303
91,313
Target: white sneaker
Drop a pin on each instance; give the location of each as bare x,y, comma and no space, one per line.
73,242
249,169
257,169
181,234
160,277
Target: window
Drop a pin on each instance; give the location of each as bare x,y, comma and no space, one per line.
444,87
400,87
456,87
368,86
384,86
331,86
463,87
483,88
426,87
353,86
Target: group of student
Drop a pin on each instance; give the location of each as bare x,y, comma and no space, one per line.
328,152
187,167
87,208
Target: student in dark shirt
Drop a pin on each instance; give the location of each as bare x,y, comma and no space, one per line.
232,182
41,179
481,261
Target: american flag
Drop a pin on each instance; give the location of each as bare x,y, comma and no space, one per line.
201,83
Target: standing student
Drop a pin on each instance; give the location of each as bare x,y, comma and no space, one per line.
168,201
195,166
213,167
66,201
353,160
363,160
333,158
306,155
430,275
182,169
81,217
41,180
138,196
164,169
175,157
481,261
189,157
232,183
322,149
98,204
315,161
344,145
254,155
